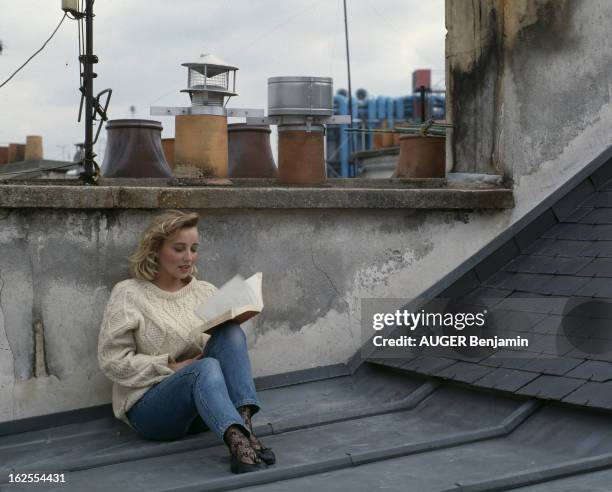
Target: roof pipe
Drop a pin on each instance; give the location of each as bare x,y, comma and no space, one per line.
371,120
341,108
390,118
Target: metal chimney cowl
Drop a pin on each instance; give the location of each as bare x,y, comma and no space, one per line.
201,139
134,150
300,97
301,106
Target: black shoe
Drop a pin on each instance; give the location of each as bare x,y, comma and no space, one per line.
238,466
266,455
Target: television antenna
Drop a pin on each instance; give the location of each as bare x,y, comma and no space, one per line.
93,104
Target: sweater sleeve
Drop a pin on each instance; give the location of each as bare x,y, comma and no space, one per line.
117,355
210,289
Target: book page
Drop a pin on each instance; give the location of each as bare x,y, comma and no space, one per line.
235,296
255,284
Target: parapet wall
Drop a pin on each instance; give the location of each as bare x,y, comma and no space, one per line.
62,248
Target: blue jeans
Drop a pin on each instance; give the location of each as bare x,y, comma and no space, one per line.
207,391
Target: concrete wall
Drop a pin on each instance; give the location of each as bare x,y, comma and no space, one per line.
529,86
58,267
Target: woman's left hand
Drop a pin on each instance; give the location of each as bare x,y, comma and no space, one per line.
175,366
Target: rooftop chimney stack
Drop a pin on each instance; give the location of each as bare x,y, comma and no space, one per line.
250,153
299,102
134,150
4,155
16,152
301,107
33,148
200,145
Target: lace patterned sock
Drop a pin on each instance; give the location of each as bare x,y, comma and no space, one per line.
245,413
239,446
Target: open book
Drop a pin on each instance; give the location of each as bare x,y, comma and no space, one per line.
237,300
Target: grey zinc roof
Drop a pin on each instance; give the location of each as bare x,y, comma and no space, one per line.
376,429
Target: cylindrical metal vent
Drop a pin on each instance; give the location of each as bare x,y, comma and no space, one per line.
250,154
33,148
421,157
301,154
307,96
133,150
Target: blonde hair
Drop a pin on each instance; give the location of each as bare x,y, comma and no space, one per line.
143,263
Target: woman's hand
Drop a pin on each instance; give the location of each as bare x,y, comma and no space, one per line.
175,366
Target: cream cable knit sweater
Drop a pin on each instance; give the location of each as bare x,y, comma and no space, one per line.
144,328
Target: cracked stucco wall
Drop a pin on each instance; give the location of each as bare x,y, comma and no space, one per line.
57,268
528,91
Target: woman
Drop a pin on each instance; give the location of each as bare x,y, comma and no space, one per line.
169,378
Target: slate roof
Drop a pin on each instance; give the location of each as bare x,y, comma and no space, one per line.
552,282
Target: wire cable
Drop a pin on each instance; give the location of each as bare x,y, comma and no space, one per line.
335,36
249,45
41,48
283,23
399,32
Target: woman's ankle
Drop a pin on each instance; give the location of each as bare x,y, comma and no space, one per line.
237,440
246,413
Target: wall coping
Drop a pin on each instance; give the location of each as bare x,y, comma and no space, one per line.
122,193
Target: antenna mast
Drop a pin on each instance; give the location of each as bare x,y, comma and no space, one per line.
88,61
350,91
93,107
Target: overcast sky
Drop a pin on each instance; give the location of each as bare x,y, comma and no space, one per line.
141,44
